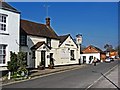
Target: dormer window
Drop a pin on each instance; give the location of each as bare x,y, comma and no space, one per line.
3,22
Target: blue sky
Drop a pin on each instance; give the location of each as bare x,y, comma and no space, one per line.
97,22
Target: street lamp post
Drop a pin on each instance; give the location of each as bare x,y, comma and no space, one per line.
79,42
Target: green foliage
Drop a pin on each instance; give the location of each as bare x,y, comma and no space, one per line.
12,65
17,64
108,47
118,49
22,70
21,59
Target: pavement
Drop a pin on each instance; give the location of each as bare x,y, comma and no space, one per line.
36,73
112,75
81,77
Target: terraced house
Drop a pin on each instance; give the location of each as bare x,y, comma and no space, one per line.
43,45
40,42
9,32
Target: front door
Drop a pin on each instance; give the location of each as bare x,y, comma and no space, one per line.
51,59
32,64
43,57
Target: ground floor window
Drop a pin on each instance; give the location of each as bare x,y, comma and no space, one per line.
84,59
72,55
90,59
2,54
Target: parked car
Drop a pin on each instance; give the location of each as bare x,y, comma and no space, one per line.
107,60
112,59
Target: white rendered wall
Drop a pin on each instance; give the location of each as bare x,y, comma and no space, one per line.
97,55
63,53
11,36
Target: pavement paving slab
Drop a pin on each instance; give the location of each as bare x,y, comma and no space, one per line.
104,83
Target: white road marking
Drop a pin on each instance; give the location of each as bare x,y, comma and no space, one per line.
100,77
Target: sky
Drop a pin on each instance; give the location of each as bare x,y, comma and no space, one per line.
96,21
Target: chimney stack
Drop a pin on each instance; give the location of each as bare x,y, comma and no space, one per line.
48,21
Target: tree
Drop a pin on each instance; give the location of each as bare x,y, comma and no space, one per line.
21,62
108,47
21,59
12,64
17,63
118,49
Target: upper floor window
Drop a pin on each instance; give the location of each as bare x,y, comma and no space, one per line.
49,42
2,54
23,40
3,20
3,27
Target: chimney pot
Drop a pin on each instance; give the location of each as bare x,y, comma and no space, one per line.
48,21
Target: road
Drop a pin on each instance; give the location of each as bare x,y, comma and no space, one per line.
80,78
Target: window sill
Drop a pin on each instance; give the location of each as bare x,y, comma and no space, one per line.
4,33
72,59
3,65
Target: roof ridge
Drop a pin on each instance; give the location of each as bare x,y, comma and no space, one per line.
32,21
37,29
65,35
8,7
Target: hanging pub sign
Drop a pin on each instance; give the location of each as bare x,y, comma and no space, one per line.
79,39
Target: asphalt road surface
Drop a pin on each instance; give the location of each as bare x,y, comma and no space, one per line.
80,78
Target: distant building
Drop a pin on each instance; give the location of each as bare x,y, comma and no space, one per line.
9,33
111,53
90,52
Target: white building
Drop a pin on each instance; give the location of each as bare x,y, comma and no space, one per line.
9,33
89,53
39,41
68,52
42,45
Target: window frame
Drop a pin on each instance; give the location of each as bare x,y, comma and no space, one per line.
3,49
72,54
3,23
23,40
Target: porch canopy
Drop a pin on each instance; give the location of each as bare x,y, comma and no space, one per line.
38,45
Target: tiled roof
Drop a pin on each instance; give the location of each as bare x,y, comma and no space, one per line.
63,38
6,6
95,49
37,45
37,29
